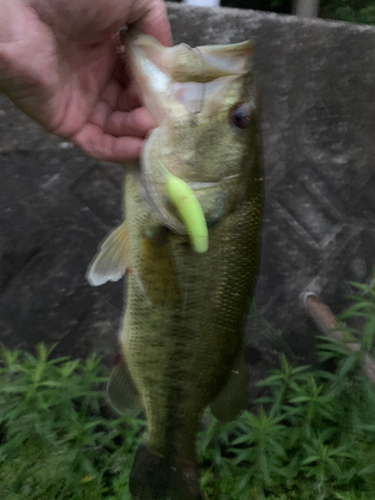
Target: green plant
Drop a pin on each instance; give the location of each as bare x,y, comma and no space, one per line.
354,11
313,437
55,442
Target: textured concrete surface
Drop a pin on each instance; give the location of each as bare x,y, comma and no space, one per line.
317,81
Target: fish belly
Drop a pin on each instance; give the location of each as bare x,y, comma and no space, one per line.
180,352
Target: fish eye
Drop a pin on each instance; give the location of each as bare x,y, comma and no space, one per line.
240,116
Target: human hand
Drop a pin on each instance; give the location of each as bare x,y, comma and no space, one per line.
60,66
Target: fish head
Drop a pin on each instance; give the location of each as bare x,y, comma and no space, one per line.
206,105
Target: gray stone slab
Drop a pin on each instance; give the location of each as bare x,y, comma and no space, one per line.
55,208
98,332
317,82
318,115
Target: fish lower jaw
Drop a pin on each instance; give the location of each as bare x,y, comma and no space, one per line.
200,185
210,184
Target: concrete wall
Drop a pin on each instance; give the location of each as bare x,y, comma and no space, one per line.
317,81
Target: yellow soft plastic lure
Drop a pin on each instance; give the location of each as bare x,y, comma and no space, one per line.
189,209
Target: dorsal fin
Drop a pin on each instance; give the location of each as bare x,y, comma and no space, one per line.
112,260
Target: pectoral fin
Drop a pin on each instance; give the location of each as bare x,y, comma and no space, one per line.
233,397
112,260
158,271
121,391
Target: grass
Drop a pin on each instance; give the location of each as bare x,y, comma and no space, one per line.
56,442
312,438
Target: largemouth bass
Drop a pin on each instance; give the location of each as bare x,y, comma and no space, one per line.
190,247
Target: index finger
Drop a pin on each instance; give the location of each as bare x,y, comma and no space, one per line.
152,20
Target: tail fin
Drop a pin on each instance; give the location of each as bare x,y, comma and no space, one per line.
155,477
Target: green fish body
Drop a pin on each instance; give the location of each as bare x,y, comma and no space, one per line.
181,339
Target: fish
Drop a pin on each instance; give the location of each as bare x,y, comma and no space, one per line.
189,246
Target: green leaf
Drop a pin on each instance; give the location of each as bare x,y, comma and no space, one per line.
368,470
349,363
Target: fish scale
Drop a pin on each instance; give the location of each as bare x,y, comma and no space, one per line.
182,335
213,315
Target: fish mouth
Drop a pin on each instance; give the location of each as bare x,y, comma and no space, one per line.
173,80
173,83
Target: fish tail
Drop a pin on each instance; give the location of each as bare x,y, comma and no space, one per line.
158,477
